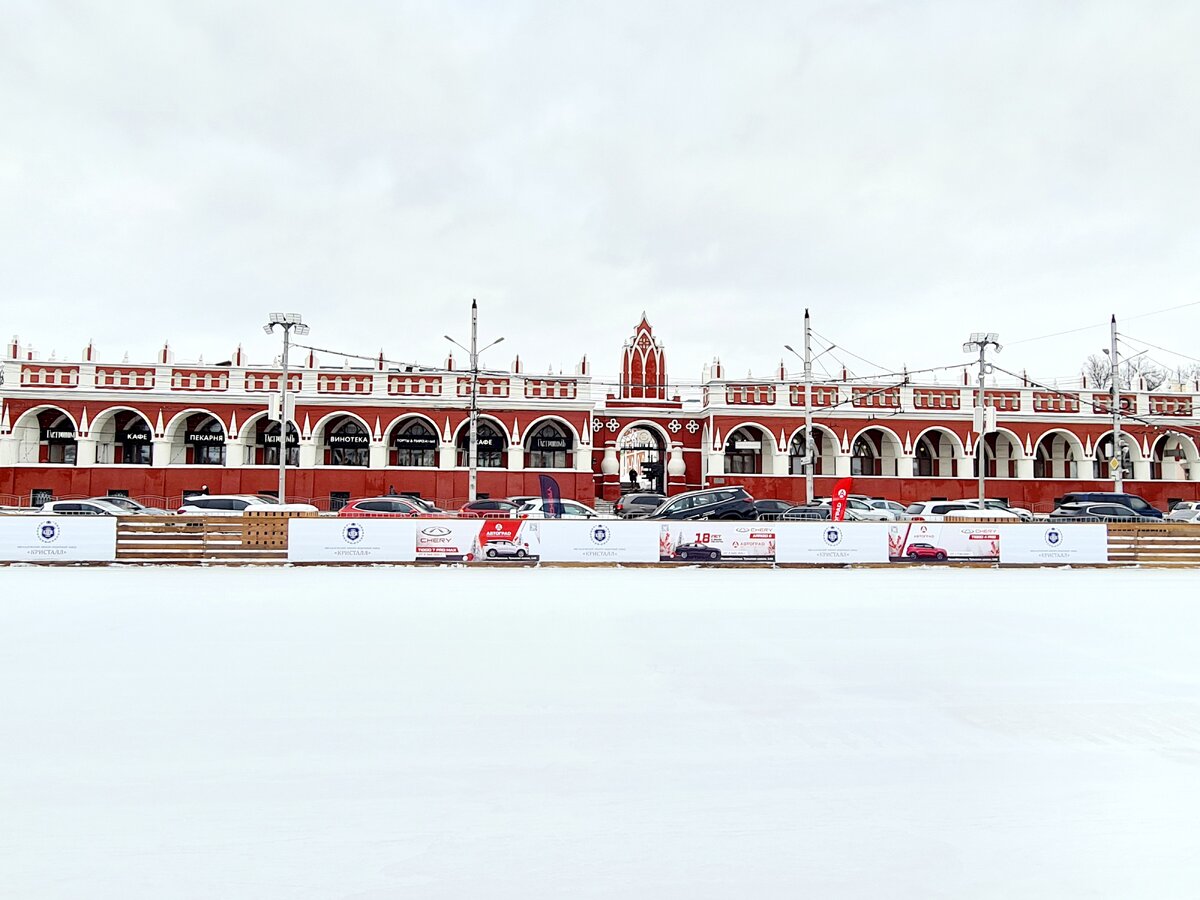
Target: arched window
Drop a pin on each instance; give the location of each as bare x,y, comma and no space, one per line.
134,439
349,444
548,447
864,458
415,444
796,453
490,445
205,436
268,437
57,433
743,452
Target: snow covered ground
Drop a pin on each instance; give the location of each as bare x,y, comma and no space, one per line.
376,733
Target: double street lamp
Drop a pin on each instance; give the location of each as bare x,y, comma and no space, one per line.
473,438
985,416
288,322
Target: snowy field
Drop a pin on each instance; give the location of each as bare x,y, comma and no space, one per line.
381,733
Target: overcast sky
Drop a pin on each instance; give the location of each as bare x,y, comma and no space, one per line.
912,171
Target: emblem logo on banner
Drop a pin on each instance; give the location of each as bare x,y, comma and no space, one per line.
1053,537
833,535
600,535
352,533
435,531
47,532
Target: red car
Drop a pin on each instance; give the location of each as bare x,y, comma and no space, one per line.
925,551
382,507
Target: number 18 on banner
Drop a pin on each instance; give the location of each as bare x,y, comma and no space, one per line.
840,492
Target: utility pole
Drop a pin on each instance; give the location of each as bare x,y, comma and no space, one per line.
287,322
1116,464
809,456
473,415
981,341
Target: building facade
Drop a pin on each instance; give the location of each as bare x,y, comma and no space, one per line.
157,431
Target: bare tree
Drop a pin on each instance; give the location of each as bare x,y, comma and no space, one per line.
1098,371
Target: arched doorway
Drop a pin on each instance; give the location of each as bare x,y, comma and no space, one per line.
491,446
414,444
47,436
1057,455
347,443
197,439
123,437
267,443
745,450
641,452
875,451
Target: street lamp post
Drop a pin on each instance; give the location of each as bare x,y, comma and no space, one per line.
473,436
287,322
981,341
808,460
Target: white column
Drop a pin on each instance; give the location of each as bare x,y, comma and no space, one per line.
904,465
309,451
841,465
446,456
516,458
160,455
377,457
1025,468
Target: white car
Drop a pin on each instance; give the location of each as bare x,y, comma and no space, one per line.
862,509
235,505
536,509
1023,514
892,506
1185,511
493,549
83,508
937,510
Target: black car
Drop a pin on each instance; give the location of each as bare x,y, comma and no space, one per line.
1099,512
1139,506
772,509
712,503
638,506
696,551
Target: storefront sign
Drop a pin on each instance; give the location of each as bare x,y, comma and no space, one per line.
486,442
417,441
349,440
1043,544
542,443
58,435
272,440
58,538
350,540
600,541
204,437
133,437
830,543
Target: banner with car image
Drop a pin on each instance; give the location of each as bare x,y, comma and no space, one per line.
830,543
612,541
351,540
1066,544
941,541
58,538
474,540
710,541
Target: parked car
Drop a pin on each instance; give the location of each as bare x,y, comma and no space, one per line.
1099,512
817,512
1023,514
426,505
712,503
521,501
235,505
1133,501
771,509
862,509
84,508
937,510
638,505
1185,511
132,506
571,509
891,506
490,509
383,507
924,551
696,551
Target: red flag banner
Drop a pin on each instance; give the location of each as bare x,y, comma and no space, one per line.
840,492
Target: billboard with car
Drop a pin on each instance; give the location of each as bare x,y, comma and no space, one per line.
473,540
940,541
708,541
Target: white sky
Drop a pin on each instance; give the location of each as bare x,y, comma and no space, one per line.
912,171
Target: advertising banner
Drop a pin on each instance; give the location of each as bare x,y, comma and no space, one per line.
940,541
350,540
470,540
58,538
612,541
707,541
826,543
1041,544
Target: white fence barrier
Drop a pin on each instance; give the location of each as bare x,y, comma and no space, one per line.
1049,544
351,540
58,539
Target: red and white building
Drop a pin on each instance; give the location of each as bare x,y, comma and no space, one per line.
157,430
